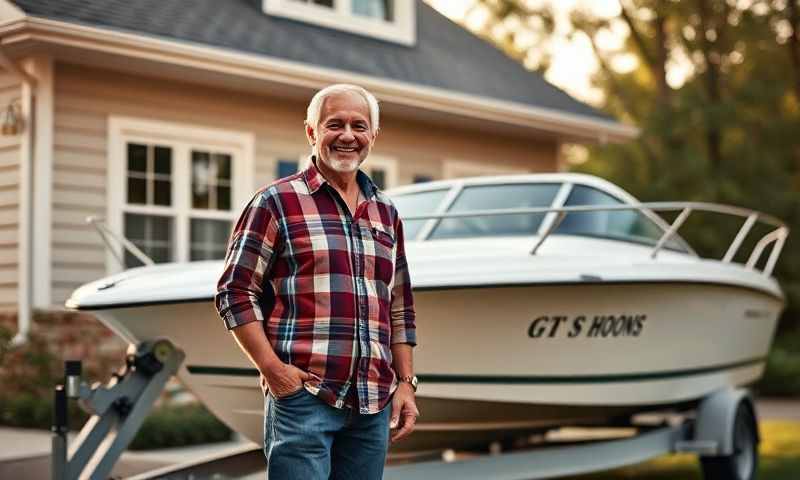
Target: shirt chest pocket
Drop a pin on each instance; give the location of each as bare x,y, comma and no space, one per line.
380,250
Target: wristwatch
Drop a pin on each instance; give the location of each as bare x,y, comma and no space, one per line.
410,380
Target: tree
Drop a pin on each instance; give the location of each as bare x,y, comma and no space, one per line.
516,27
725,132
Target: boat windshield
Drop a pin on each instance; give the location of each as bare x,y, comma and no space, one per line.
420,203
627,225
492,197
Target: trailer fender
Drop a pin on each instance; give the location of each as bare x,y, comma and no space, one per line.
716,417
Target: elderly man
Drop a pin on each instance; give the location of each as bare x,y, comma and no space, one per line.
316,292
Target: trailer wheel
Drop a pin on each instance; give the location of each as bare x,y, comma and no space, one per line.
742,464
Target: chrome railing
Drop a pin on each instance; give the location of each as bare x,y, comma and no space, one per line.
777,237
107,235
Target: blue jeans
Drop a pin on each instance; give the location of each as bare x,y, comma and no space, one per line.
305,438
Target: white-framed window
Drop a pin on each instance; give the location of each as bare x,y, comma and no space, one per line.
452,168
392,20
285,166
382,170
175,190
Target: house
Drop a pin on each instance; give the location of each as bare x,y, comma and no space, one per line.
163,116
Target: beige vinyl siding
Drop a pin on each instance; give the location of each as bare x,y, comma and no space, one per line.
85,98
10,91
79,178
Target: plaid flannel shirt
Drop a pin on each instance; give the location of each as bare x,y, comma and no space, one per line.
332,289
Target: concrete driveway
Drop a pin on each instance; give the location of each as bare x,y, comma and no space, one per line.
25,454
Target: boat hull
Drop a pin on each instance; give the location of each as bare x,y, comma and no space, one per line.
501,362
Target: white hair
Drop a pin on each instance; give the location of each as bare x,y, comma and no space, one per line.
315,106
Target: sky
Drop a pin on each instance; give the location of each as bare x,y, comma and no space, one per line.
573,62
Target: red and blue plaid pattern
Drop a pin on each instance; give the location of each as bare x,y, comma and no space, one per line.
332,289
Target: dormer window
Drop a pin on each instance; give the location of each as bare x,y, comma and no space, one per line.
324,3
380,9
392,20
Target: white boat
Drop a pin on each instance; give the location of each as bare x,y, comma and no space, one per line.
542,300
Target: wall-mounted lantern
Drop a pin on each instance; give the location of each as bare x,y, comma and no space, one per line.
12,119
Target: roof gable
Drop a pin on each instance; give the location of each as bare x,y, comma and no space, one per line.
445,56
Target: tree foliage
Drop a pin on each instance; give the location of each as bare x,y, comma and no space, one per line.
521,30
728,131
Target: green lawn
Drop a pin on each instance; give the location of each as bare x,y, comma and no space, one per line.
780,459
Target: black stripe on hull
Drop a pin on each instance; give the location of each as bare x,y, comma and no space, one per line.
522,380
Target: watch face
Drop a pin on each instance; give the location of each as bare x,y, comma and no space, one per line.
411,381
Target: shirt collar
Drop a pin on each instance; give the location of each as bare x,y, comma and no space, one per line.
312,176
315,180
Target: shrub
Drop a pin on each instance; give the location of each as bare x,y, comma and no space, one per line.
33,411
28,374
782,375
166,426
180,425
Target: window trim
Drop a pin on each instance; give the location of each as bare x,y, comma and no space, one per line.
387,164
452,168
182,138
402,30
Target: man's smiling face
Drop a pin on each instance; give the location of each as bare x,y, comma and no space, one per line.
344,135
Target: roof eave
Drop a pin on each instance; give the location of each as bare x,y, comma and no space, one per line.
567,126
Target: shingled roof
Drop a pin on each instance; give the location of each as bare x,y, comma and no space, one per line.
445,55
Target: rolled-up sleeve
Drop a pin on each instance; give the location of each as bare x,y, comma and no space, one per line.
250,256
404,329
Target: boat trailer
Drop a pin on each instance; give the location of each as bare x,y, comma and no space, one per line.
723,432
117,410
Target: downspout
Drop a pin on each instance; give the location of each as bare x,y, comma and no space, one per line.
24,241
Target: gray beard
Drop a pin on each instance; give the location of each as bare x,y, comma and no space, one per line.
336,165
